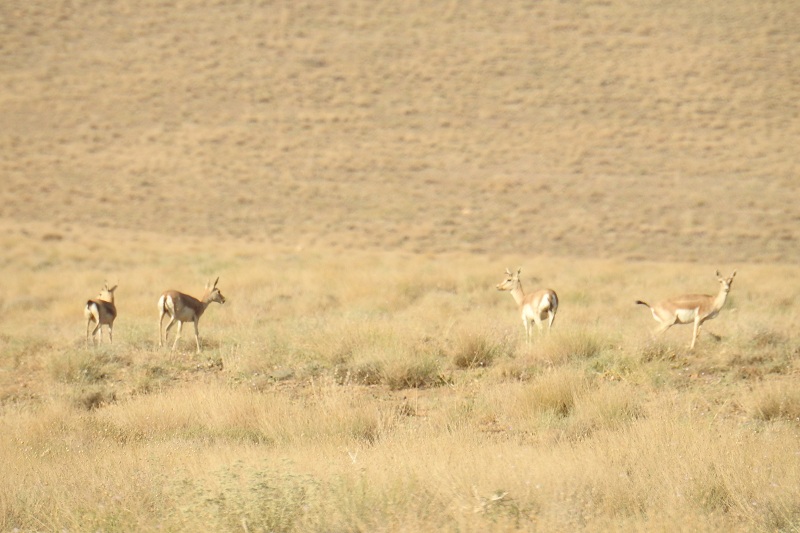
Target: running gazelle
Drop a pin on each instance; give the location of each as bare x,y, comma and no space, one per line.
691,308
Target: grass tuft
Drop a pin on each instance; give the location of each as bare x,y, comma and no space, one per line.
777,401
478,350
568,346
95,398
362,373
657,350
425,372
607,407
557,391
766,338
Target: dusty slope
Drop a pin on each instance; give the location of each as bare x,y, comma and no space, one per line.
608,128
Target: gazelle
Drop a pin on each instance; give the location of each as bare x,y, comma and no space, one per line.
691,308
535,307
102,311
184,308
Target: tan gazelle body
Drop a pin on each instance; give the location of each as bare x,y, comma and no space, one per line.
535,308
691,308
101,311
184,308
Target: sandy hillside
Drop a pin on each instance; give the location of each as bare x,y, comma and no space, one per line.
654,129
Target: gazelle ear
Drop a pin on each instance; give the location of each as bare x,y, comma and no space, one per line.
734,274
215,283
718,274
508,271
112,289
519,271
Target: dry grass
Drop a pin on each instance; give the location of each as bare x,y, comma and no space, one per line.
407,401
359,174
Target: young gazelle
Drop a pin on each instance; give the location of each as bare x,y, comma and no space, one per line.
102,311
535,307
184,308
691,308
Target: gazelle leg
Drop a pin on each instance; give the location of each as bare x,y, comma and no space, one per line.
196,334
177,335
694,333
160,328
538,321
111,333
94,333
527,324
169,326
662,328
88,325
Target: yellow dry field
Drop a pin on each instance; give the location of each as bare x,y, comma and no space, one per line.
359,175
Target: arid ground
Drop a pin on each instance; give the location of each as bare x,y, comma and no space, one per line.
359,175
659,130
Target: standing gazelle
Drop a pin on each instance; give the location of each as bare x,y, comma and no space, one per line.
691,308
535,307
102,311
184,308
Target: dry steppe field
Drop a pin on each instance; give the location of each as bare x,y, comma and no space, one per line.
359,175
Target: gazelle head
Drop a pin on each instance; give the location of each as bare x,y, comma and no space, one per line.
106,294
511,282
213,294
726,282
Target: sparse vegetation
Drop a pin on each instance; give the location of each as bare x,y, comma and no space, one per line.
357,173
400,416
